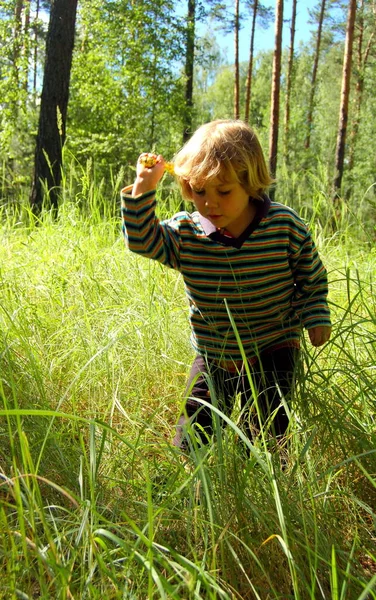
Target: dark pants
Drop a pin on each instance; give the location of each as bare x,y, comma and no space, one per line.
272,376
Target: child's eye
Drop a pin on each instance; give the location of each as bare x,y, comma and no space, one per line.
224,192
198,192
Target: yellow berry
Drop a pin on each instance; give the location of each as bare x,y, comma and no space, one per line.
150,161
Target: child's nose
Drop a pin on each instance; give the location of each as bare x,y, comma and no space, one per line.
210,201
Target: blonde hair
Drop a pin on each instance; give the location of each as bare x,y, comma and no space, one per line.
227,149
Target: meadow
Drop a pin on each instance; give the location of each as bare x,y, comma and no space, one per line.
94,500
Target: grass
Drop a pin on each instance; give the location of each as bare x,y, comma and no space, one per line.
94,500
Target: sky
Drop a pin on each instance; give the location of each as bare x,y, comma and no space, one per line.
264,38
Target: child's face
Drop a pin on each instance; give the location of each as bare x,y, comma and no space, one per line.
225,204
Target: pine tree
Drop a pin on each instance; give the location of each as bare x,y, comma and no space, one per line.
276,83
345,93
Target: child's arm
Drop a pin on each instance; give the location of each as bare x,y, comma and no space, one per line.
143,232
311,289
148,177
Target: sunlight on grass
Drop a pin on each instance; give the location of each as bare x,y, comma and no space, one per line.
94,500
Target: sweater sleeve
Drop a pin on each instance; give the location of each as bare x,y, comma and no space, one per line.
311,284
144,233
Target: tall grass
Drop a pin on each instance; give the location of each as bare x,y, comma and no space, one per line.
94,500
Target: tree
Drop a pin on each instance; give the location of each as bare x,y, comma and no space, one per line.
311,104
345,93
18,111
229,22
263,16
189,67
15,50
363,54
128,91
54,103
17,36
248,84
208,61
276,82
290,69
236,61
33,40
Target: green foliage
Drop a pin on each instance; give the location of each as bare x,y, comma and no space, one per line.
22,35
127,92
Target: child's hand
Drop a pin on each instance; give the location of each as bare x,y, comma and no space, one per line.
150,169
319,335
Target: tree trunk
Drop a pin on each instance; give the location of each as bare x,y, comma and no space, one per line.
248,85
17,38
26,45
362,60
345,92
189,66
36,49
290,71
311,104
276,81
21,43
236,48
54,103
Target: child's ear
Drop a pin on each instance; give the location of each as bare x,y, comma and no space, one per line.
186,189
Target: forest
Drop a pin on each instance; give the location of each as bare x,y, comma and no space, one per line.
95,502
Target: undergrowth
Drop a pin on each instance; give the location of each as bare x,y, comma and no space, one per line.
94,500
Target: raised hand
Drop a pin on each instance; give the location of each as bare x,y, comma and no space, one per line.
150,169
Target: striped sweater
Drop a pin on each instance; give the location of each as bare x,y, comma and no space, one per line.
270,280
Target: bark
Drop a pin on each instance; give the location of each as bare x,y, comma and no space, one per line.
362,59
26,45
248,84
36,49
345,92
54,103
276,82
290,71
189,69
236,65
311,104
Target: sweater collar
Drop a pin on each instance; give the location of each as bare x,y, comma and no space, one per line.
217,235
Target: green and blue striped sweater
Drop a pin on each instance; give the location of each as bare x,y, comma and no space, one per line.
271,279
